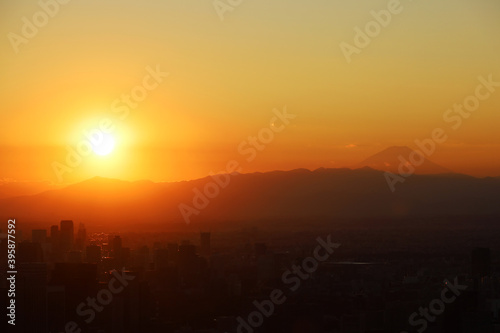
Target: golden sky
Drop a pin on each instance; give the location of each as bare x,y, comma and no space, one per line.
227,76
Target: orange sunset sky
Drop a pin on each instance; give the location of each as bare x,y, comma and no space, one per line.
226,77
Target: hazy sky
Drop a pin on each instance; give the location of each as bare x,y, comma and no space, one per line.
227,76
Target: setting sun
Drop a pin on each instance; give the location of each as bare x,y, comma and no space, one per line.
105,147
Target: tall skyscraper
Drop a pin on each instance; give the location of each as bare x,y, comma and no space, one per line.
117,246
39,236
172,248
117,250
93,253
161,259
188,263
141,257
28,252
481,262
205,244
56,307
54,234
79,281
81,237
55,243
260,249
67,235
31,298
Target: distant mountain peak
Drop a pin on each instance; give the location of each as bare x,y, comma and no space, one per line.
389,160
396,149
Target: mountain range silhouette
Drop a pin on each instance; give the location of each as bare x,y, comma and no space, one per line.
301,193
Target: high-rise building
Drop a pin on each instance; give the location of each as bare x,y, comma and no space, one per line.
93,253
75,256
81,237
39,236
205,244
28,252
56,307
54,236
188,263
55,244
54,231
173,249
117,251
66,235
260,249
187,251
79,281
161,259
31,297
481,262
117,246
141,257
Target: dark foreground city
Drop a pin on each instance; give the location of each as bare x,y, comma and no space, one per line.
437,275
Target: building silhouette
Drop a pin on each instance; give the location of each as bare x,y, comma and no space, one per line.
81,237
481,262
39,236
28,252
67,235
31,297
93,254
205,249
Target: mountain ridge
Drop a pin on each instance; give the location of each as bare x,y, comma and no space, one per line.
332,193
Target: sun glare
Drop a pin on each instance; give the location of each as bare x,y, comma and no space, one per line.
105,147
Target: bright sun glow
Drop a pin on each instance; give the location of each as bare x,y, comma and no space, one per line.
105,147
